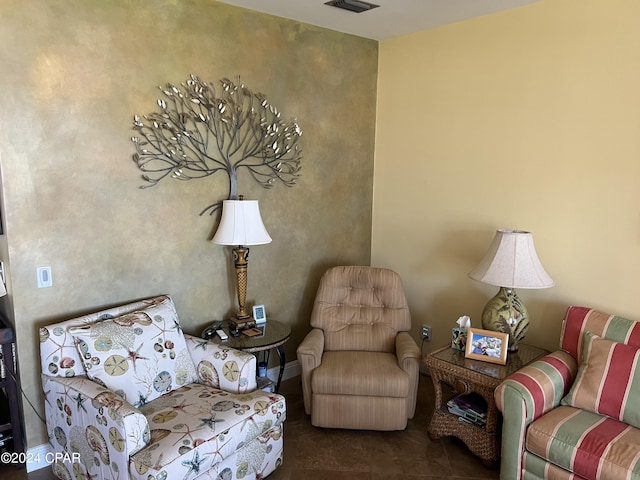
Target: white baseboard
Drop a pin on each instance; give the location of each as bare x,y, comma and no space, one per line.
291,370
38,457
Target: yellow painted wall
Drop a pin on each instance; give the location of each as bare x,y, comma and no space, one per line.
528,119
73,75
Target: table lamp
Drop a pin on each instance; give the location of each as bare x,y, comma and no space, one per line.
241,225
511,262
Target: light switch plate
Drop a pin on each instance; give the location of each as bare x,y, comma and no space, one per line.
44,277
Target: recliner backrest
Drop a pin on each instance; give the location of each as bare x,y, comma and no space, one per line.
361,308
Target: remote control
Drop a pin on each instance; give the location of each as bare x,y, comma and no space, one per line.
223,336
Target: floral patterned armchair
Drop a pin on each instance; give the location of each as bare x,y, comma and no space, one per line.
129,395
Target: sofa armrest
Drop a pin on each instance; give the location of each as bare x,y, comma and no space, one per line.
81,412
222,367
310,356
527,395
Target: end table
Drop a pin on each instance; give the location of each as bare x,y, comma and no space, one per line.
449,366
274,335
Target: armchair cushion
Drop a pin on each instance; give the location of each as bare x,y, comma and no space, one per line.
58,354
140,355
374,374
209,425
608,380
583,443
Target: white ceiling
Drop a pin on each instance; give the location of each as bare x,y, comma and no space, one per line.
393,18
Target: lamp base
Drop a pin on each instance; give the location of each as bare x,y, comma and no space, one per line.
507,314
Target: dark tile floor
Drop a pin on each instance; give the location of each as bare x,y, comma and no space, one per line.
312,453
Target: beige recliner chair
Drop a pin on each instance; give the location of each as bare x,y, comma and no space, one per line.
360,366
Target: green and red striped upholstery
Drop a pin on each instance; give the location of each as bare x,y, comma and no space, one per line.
536,468
608,380
527,395
581,319
585,443
536,391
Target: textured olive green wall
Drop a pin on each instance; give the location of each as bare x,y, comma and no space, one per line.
73,74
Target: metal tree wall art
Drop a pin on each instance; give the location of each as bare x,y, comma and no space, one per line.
198,132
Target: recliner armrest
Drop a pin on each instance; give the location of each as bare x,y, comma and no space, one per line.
113,427
409,357
222,367
525,396
310,357
406,350
312,347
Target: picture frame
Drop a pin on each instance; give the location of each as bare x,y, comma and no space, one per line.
259,314
487,346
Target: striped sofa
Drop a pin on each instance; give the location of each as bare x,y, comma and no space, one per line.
574,413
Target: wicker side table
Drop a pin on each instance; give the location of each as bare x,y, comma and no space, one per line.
448,366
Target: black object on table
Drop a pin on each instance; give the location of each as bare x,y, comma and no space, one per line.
273,335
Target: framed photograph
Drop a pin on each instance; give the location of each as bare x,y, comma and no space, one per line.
487,346
259,314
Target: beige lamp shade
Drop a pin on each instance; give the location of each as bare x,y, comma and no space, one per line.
512,262
241,224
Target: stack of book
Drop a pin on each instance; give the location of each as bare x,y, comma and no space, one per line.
238,325
242,323
469,407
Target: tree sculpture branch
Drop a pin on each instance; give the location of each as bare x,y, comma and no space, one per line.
197,133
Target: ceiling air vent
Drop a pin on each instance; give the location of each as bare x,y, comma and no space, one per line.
352,5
